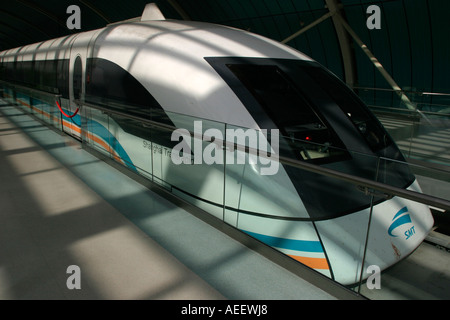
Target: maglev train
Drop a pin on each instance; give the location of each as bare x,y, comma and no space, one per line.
182,74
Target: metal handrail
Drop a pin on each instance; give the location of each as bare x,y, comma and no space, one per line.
366,184
406,91
411,112
22,87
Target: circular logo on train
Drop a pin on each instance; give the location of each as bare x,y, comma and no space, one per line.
402,225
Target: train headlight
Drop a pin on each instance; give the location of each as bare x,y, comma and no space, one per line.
362,127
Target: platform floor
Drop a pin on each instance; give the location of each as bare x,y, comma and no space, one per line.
61,206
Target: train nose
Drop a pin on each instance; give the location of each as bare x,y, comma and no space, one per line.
396,228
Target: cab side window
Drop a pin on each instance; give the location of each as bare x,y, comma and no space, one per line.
77,75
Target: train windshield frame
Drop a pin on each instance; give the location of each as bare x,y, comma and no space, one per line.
334,118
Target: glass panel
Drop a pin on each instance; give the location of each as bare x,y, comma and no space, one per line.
130,143
320,221
192,164
256,183
55,114
8,94
44,106
111,86
23,99
294,211
77,79
98,130
421,128
325,197
433,181
397,229
86,127
430,139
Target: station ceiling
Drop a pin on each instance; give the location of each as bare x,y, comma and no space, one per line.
412,45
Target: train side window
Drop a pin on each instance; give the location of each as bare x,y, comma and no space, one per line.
28,75
77,75
62,78
10,72
2,71
110,85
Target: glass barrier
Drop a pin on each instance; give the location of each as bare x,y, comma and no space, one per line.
421,129
44,106
8,93
305,216
191,161
377,232
397,230
40,104
277,189
337,228
96,132
433,181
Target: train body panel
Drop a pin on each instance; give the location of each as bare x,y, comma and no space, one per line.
297,239
179,72
168,58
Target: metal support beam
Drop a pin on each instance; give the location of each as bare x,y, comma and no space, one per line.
378,65
344,41
347,52
313,24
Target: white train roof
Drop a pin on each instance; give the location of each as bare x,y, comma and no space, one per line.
168,58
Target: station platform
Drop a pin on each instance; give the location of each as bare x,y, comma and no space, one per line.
61,206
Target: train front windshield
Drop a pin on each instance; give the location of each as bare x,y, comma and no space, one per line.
321,121
309,135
